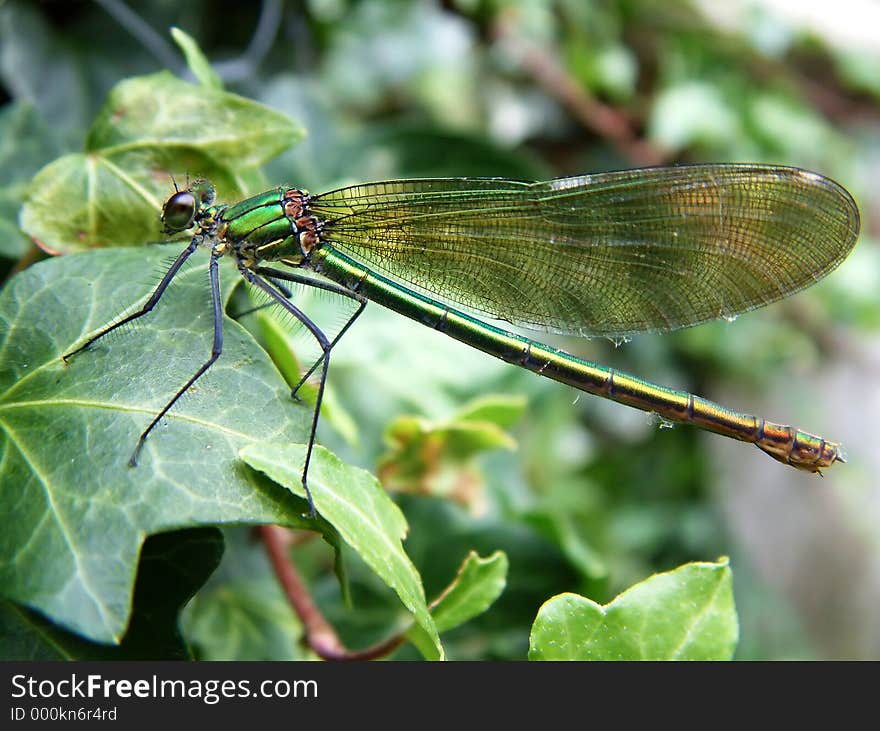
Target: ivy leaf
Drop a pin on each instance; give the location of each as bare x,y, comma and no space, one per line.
478,584
685,614
161,110
149,128
66,431
355,504
172,567
96,187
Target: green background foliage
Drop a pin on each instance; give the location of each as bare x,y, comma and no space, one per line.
571,500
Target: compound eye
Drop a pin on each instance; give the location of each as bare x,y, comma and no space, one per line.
179,212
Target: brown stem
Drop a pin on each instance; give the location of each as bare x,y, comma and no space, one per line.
319,634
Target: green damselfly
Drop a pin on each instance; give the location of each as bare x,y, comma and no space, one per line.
610,254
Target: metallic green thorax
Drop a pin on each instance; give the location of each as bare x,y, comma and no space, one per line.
269,227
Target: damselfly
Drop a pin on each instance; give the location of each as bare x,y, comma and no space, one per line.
610,254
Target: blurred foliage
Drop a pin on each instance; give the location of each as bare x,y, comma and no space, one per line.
596,497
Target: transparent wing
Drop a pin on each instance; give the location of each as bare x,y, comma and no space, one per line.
606,254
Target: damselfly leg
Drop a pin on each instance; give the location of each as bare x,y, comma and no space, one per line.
274,274
325,345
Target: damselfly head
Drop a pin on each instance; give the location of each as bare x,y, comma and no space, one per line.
183,208
179,212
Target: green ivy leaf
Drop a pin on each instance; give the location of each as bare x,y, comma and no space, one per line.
162,110
172,567
96,188
150,128
196,60
478,584
66,431
354,503
685,614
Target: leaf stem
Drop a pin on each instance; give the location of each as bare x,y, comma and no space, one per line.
320,636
